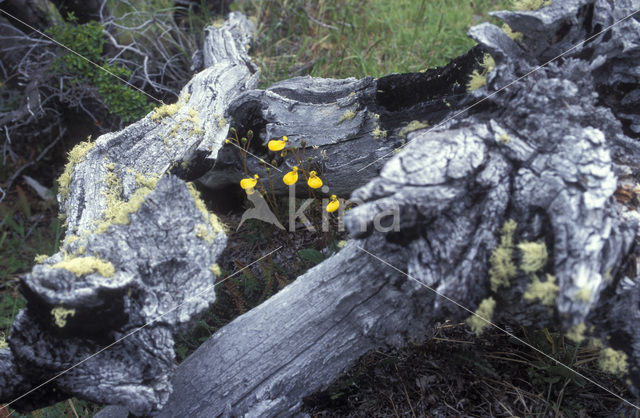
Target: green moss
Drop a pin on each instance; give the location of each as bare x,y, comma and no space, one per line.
412,126
60,315
576,333
502,268
347,115
516,36
86,265
87,40
484,313
614,362
479,79
545,292
534,256
525,5
76,155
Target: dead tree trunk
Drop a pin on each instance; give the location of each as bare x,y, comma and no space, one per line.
523,209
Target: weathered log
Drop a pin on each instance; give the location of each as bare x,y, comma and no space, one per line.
138,260
509,207
344,125
545,153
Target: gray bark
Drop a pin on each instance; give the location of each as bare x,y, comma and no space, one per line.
555,175
548,152
137,245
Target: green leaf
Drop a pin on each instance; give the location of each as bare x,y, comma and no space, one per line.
311,255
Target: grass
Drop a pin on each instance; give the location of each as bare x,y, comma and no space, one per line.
341,38
357,38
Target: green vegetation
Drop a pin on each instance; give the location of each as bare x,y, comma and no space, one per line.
87,40
355,38
530,4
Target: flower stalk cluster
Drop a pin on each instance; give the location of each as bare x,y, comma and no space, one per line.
281,147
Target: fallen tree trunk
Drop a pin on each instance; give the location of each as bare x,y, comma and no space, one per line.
514,210
345,126
138,260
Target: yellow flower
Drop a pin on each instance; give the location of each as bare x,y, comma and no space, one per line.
277,144
249,183
334,204
291,177
314,181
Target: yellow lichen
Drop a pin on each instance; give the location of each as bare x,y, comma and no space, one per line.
76,155
516,36
86,265
502,268
545,292
70,239
202,207
504,139
613,361
595,342
477,79
414,125
40,258
149,180
166,110
3,342
60,315
195,120
117,210
534,256
347,115
379,133
221,122
576,333
484,313
584,294
203,232
215,269
525,5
